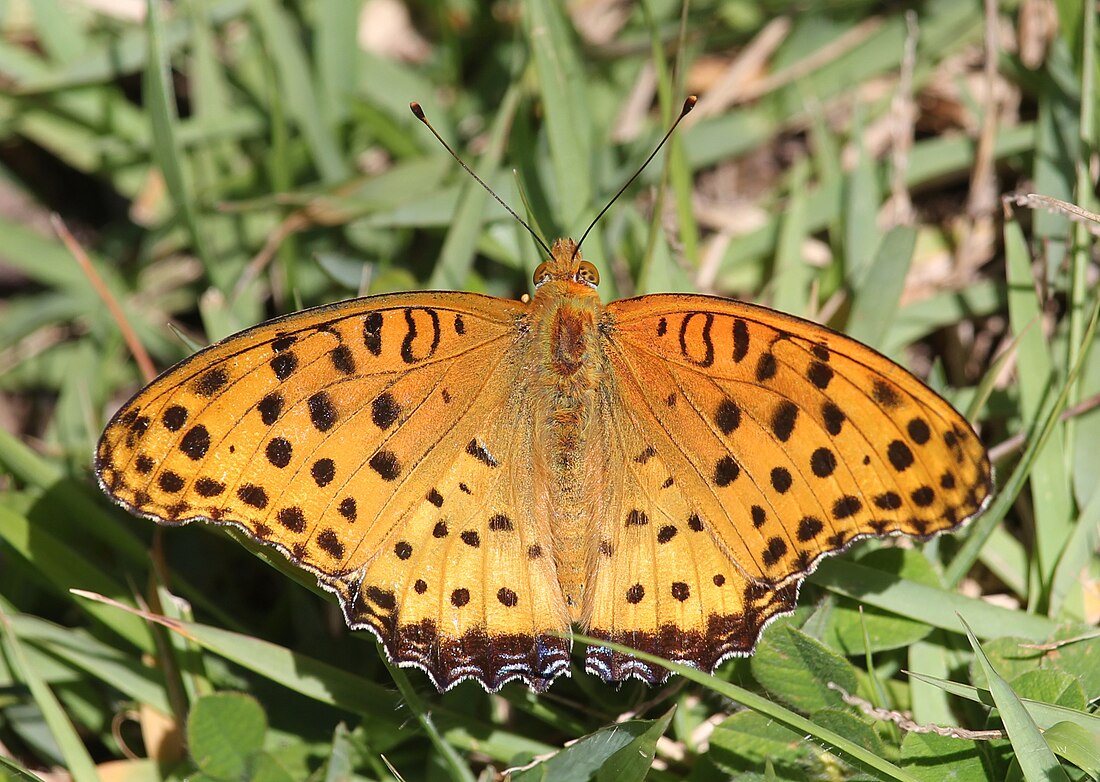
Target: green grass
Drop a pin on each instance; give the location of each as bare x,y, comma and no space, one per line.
212,163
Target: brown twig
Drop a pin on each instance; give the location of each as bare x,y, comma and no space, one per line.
1016,442
736,81
907,724
1054,646
293,223
982,197
145,364
1090,220
843,44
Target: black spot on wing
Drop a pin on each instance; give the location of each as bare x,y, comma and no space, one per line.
823,462
253,495
284,365
170,482
883,393
322,412
918,431
781,479
342,360
687,345
270,407
727,416
759,516
174,418
323,472
283,342
212,382
899,455
329,542
809,528
820,374
833,417
636,518
923,496
208,487
292,518
385,463
726,471
372,333
846,507
775,551
196,442
385,410
144,464
783,420
279,451
766,367
740,340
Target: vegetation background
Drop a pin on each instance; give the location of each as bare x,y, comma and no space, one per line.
224,161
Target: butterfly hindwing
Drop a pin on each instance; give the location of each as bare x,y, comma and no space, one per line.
465,584
665,582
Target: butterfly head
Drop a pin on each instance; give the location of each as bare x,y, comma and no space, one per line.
566,266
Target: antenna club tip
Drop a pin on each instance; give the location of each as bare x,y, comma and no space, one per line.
416,110
689,104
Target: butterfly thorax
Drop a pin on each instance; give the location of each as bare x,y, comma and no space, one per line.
565,323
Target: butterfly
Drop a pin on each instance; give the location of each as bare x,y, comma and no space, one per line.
472,476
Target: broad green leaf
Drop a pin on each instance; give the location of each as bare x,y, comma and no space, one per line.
797,669
224,731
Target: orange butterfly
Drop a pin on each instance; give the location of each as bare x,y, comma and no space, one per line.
471,475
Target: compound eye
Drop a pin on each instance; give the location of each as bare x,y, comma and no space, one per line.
542,273
588,274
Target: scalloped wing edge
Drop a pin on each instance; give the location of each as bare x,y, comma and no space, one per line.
552,652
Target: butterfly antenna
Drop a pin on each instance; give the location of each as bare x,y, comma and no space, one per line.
689,104
419,114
